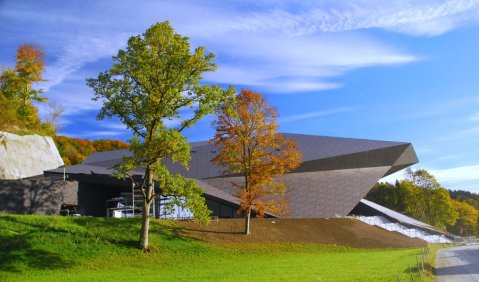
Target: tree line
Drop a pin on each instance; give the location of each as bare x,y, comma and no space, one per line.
422,197
75,150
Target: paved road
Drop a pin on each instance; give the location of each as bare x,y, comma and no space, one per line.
458,264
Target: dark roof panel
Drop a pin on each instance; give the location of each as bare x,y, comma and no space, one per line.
108,155
319,153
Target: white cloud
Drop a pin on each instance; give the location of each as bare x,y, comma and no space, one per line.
439,108
281,63
456,175
95,134
277,47
78,52
111,125
408,16
313,115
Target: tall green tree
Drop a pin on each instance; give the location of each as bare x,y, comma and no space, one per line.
156,79
429,201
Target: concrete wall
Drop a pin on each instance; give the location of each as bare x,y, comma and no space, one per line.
36,196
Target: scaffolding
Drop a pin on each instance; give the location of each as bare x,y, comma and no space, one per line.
130,204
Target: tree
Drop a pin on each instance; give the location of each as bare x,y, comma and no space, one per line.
29,68
55,111
466,223
465,196
17,92
384,194
157,79
246,133
429,202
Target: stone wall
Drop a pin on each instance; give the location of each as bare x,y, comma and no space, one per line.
27,156
36,196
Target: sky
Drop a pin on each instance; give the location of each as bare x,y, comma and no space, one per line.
388,70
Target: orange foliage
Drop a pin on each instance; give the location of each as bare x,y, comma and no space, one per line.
66,161
246,132
75,150
30,63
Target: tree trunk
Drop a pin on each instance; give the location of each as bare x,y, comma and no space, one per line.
145,224
247,221
145,218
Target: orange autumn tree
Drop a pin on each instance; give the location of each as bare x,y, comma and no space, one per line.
30,66
246,133
17,92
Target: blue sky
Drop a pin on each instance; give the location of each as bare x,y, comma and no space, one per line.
388,70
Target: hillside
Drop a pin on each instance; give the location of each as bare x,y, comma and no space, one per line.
53,248
75,150
334,231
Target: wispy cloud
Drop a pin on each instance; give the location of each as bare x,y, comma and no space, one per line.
112,125
409,16
471,133
474,117
313,115
284,47
282,64
456,175
94,134
77,53
438,108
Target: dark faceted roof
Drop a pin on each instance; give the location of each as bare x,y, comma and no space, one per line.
319,153
316,147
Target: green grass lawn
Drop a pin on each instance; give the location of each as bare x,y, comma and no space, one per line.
45,248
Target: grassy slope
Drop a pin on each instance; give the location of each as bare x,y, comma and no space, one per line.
43,248
333,231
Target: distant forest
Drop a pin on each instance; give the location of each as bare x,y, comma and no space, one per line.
75,150
460,219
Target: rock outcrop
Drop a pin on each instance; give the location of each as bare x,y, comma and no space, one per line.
26,156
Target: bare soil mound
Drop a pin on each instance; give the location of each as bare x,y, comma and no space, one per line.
337,231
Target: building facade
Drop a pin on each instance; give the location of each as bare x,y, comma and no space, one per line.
335,175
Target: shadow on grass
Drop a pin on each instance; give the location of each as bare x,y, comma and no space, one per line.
26,243
17,253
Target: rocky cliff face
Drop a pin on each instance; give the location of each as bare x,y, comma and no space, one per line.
26,156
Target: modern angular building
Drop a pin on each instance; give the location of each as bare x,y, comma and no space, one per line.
335,175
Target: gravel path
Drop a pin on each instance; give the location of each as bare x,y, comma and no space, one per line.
458,264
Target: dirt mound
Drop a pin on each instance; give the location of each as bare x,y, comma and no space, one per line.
338,231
